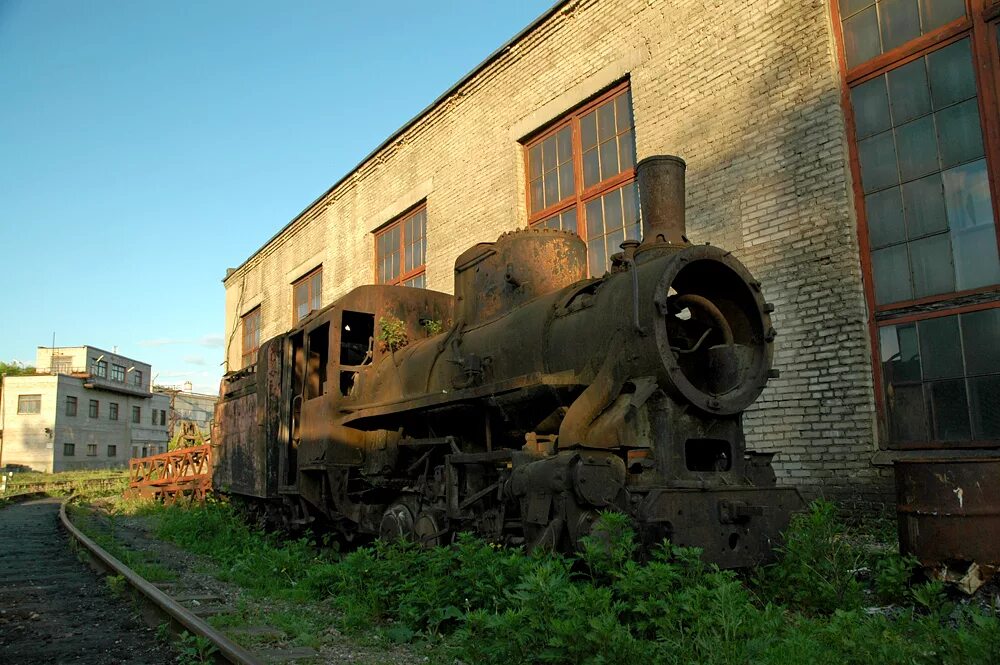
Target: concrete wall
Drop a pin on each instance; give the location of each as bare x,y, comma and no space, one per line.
25,440
747,93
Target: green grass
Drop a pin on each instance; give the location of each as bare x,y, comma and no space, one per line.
477,603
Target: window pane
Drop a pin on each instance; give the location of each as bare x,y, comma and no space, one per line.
848,7
536,195
961,138
568,220
630,204
596,257
936,13
878,162
949,410
549,154
930,259
891,274
606,121
951,76
623,111
566,186
595,219
588,130
871,107
970,217
613,212
626,150
911,97
981,342
900,22
916,144
907,413
609,159
923,201
535,161
900,354
940,348
984,397
591,167
861,38
564,139
884,211
551,189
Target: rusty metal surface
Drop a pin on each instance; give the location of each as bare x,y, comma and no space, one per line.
949,510
185,472
537,398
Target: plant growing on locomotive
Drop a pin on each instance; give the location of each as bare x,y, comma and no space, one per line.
547,398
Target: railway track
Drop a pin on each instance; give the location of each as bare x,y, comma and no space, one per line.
56,609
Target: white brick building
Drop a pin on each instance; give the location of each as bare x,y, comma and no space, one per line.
85,408
847,151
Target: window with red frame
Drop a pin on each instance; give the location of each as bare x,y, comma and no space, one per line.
251,336
921,81
307,294
581,176
401,250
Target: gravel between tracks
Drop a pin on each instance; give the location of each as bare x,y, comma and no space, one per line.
54,608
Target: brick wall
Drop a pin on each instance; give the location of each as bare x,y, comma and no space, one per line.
746,92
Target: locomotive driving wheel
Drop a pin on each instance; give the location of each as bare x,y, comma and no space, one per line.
429,528
397,523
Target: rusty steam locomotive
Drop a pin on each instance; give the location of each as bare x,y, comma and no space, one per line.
545,398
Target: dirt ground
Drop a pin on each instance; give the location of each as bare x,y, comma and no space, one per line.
54,608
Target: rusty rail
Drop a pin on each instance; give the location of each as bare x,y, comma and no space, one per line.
227,650
186,472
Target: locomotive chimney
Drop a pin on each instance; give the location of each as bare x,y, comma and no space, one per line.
661,198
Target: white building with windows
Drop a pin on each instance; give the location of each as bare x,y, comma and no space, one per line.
84,408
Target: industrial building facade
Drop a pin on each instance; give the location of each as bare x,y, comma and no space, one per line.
85,408
845,150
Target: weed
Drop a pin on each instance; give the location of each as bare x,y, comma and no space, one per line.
116,583
194,649
892,576
391,333
432,326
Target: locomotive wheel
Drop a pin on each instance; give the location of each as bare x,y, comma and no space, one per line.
397,523
429,528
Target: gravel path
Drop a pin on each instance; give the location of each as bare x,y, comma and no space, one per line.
53,607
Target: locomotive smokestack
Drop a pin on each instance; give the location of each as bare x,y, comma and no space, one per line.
661,198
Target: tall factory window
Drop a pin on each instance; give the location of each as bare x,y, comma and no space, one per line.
922,107
29,404
307,294
112,450
581,176
401,250
137,378
69,449
113,411
70,405
99,367
95,408
251,336
118,373
137,414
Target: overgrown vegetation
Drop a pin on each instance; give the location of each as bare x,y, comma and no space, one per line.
391,333
479,603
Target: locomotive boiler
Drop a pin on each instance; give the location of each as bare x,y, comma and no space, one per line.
528,402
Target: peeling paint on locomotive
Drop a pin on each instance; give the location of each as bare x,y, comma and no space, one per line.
547,398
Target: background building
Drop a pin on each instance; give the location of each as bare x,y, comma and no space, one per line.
190,414
84,408
846,151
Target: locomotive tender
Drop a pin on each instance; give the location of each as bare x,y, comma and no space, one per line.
546,398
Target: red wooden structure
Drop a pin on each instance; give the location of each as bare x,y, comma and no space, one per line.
186,472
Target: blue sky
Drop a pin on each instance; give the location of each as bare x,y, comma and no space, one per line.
146,146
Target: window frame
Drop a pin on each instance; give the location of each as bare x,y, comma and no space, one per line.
137,378
980,26
249,356
112,450
91,450
400,222
307,279
69,450
29,398
94,409
72,405
112,410
136,415
582,194
118,373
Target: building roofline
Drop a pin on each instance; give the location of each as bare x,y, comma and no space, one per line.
409,123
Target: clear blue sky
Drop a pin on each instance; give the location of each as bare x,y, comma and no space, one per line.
146,146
